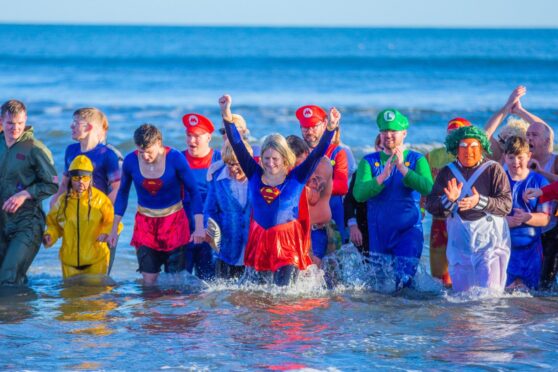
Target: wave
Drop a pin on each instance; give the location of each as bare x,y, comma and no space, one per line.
295,61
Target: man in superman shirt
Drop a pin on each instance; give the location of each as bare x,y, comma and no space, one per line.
199,156
313,121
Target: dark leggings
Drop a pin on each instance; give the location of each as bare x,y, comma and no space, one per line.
285,275
550,258
225,271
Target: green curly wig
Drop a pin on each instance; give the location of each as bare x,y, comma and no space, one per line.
452,140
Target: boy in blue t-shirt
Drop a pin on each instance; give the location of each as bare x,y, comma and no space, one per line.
88,128
527,217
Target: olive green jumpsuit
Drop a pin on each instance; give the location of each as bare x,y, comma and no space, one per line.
27,165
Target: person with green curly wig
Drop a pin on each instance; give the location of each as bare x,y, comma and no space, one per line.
474,194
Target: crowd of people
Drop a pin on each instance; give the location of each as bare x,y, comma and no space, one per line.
264,213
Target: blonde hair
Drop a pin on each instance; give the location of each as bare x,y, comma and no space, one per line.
93,116
240,123
278,143
13,107
514,127
228,155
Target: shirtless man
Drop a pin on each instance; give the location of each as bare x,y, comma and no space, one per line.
313,121
318,193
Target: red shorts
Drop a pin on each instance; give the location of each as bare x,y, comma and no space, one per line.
161,233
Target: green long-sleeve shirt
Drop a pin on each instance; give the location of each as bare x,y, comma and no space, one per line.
367,186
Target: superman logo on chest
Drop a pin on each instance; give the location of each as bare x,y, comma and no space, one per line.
269,193
152,186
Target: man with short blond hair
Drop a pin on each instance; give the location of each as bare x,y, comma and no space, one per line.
27,177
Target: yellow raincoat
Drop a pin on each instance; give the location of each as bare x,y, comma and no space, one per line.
79,224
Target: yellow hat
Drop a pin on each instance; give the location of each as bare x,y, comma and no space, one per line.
80,165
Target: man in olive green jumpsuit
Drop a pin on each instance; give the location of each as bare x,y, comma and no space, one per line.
27,176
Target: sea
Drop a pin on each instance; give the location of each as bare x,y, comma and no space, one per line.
155,75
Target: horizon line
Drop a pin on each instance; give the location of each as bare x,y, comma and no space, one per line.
294,26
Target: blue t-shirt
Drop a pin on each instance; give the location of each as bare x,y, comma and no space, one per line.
106,169
525,235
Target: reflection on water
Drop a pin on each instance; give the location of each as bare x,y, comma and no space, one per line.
97,323
14,304
87,305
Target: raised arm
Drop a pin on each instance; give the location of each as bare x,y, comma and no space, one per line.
500,115
246,161
529,117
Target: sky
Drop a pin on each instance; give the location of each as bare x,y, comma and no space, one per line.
328,13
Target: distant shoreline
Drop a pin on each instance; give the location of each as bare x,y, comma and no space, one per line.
289,27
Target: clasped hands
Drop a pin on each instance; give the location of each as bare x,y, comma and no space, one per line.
453,191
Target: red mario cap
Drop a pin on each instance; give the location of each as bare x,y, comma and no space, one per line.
457,123
197,123
310,115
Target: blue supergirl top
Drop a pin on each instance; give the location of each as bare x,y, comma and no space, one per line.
158,193
275,205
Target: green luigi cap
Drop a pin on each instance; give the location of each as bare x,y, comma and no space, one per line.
391,119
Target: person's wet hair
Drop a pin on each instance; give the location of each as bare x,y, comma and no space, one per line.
228,155
297,145
93,115
516,145
278,143
13,107
147,135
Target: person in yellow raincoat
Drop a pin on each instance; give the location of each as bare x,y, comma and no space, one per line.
83,217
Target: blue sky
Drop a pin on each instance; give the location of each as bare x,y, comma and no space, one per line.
406,13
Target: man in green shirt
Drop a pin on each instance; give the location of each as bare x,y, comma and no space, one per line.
391,182
27,177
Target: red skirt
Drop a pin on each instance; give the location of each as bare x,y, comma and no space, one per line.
161,233
270,249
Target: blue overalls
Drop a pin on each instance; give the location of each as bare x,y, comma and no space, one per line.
394,221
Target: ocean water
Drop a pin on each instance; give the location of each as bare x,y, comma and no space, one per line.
157,74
